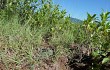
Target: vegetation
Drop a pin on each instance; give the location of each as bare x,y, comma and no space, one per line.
35,34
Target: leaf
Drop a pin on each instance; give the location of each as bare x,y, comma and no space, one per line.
94,16
108,30
105,60
88,15
95,53
107,14
105,45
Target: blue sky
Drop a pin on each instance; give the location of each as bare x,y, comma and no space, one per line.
79,8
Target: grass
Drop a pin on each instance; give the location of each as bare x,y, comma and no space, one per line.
20,45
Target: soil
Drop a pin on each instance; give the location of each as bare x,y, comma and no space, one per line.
60,64
80,60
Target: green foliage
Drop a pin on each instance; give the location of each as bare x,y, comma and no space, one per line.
23,28
105,60
26,24
99,35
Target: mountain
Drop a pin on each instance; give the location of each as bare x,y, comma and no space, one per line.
75,20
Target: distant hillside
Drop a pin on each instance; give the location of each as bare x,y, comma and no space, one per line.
75,20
